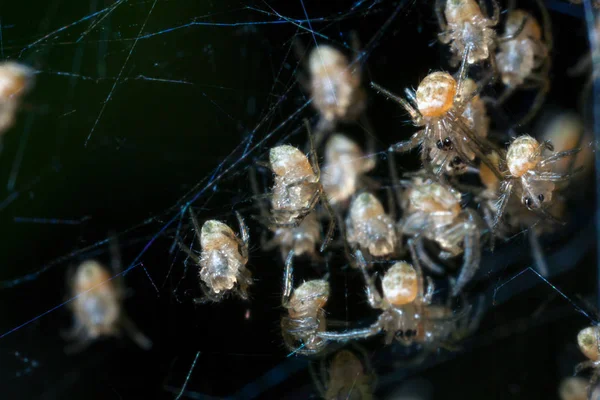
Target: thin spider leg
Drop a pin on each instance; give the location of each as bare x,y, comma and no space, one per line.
414,114
395,179
373,294
471,258
506,191
543,88
554,177
496,14
189,252
422,253
314,162
195,223
462,74
331,226
353,334
417,266
245,236
134,333
558,156
415,141
288,279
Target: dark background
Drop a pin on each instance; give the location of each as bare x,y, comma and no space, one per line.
159,144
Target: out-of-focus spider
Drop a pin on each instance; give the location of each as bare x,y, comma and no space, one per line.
433,211
369,228
588,340
405,309
346,377
566,131
344,168
335,86
523,59
306,315
98,305
469,32
15,81
576,388
297,188
529,173
222,259
447,142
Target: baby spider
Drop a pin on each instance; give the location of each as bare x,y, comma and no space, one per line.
475,111
576,388
297,188
305,316
446,139
344,168
345,378
335,86
15,81
222,260
98,305
369,228
467,29
588,341
433,211
523,60
405,313
529,173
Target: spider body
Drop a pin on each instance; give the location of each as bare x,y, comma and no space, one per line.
468,31
15,81
451,123
433,212
369,228
305,316
335,86
345,378
222,260
344,168
296,189
406,313
530,175
588,340
98,307
523,59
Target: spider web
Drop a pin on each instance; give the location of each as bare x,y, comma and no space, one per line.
141,110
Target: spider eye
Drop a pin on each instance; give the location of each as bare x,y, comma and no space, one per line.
447,142
541,197
409,333
400,333
528,202
439,144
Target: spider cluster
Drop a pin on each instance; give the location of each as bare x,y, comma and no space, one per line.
415,240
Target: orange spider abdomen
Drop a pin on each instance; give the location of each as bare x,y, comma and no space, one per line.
435,95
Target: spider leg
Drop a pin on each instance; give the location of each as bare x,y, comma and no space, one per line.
554,177
543,83
189,252
364,333
134,333
373,294
557,156
332,218
421,254
516,33
407,145
414,114
506,190
537,252
471,257
288,279
439,13
245,239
